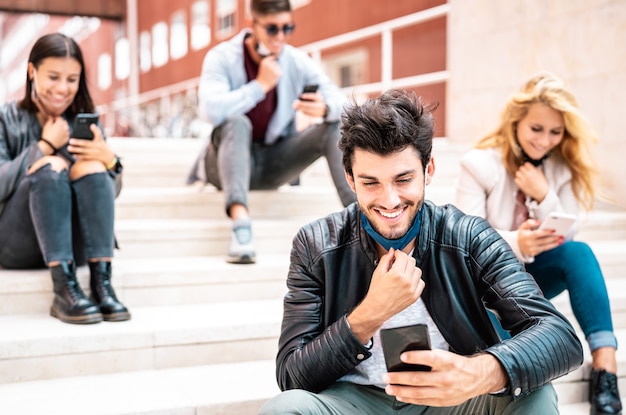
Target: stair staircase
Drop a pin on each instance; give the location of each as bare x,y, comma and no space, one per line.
203,334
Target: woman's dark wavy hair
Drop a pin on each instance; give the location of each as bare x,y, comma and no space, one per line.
58,45
388,124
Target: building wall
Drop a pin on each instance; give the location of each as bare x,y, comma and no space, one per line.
315,20
495,45
417,49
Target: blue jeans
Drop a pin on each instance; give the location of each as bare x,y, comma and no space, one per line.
236,165
574,267
345,398
49,218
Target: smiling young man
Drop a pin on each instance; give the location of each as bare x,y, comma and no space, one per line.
395,259
250,89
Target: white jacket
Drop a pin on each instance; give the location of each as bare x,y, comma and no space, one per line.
485,189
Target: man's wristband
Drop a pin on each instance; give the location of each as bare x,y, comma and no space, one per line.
54,149
112,164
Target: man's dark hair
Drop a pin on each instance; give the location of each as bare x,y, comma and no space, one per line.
387,124
265,7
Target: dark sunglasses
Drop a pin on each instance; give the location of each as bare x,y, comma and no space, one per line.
272,29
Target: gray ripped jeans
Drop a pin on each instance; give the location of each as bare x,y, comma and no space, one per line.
236,165
50,218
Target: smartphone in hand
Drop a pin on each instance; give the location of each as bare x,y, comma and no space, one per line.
82,124
398,340
559,222
311,88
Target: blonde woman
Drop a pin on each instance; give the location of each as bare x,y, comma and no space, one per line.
537,162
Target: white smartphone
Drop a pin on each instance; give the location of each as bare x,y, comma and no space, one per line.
560,222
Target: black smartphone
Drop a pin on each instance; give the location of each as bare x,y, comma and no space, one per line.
398,340
81,125
311,88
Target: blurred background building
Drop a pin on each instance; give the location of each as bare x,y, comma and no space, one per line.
144,63
144,57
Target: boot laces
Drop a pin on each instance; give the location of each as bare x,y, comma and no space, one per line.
74,291
606,382
106,289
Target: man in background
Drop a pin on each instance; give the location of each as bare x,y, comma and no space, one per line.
250,89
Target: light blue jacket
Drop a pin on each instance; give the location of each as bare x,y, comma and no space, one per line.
224,89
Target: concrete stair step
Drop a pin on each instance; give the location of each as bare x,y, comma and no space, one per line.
197,390
170,280
38,347
153,238
152,282
220,389
194,202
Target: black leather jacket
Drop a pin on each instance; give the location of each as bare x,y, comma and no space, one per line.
466,266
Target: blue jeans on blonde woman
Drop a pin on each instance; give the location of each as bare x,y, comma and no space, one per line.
53,220
573,267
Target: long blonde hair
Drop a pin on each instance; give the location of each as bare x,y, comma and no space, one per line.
574,149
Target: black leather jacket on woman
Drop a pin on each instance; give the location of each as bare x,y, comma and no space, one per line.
20,131
466,266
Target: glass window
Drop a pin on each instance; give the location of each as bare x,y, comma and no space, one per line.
122,59
145,52
178,35
226,12
160,51
104,71
200,26
347,68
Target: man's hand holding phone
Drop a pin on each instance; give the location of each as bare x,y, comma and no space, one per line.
311,102
452,380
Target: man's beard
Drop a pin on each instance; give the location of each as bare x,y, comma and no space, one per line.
392,233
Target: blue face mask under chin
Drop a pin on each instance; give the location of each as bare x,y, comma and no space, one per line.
398,244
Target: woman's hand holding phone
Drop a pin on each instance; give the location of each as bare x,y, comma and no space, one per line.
91,149
535,237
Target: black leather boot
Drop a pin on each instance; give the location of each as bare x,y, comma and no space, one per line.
70,304
603,393
103,294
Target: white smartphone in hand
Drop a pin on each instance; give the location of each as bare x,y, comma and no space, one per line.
560,222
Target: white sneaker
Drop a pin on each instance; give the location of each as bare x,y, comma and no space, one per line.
242,249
